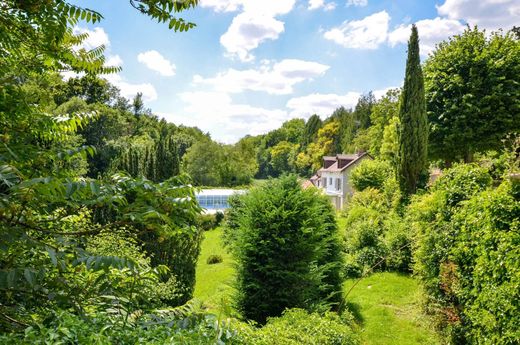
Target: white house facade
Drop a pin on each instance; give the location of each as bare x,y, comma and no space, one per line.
334,177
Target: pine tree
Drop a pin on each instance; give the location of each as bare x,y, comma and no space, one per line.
413,129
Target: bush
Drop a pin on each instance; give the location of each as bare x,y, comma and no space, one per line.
375,234
214,259
294,327
297,327
398,241
219,217
370,173
433,218
179,252
206,221
352,268
462,181
485,255
287,249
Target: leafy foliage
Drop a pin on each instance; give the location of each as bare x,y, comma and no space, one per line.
274,222
485,257
370,173
72,246
296,326
431,217
376,237
472,93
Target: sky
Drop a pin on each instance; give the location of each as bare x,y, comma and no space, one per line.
250,65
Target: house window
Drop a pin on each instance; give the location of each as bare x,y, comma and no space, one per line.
324,182
330,181
338,183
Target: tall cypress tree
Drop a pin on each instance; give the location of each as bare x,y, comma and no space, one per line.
413,129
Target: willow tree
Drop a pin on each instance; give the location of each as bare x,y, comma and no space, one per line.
413,129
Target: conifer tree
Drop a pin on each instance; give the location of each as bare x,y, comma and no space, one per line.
413,129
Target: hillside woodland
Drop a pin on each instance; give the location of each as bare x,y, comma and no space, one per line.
101,230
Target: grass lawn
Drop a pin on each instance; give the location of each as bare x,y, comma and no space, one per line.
213,281
386,306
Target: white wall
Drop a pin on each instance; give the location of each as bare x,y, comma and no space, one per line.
331,187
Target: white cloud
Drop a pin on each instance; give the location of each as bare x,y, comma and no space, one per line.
113,60
431,32
488,14
227,121
367,33
96,37
247,32
254,25
222,5
269,7
156,62
317,4
321,104
129,90
358,3
278,78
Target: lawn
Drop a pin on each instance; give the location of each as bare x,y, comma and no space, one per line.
386,305
213,281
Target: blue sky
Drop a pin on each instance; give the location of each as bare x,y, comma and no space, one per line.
250,65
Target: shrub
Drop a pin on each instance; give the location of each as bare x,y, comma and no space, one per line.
298,327
287,249
294,327
179,252
352,268
398,241
431,216
462,181
370,173
375,234
206,221
214,259
364,229
219,217
485,255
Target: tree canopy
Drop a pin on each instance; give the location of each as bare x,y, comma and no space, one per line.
472,93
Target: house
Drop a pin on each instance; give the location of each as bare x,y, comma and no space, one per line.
333,177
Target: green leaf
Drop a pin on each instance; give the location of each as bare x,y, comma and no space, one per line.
30,276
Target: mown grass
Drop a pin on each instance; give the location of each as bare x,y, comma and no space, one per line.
386,305
213,281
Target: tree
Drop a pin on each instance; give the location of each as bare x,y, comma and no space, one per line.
383,111
288,253
363,110
413,129
323,146
283,156
201,161
138,104
312,126
472,93
370,174
49,212
390,144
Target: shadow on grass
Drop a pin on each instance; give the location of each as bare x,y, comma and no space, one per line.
355,309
